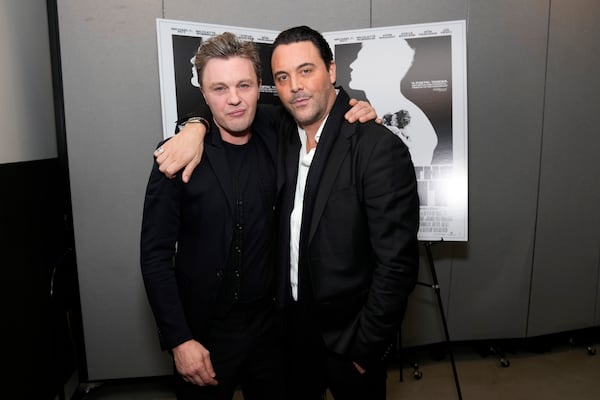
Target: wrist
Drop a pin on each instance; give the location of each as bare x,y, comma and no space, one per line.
197,120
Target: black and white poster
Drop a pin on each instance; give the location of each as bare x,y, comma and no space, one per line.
414,76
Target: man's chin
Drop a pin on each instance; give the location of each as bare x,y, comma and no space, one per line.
300,114
239,134
303,119
237,130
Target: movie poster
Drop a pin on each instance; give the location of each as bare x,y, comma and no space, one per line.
414,76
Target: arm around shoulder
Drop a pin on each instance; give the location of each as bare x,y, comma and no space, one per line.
184,150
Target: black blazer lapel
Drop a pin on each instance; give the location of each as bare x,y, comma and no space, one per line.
214,151
287,167
340,151
331,151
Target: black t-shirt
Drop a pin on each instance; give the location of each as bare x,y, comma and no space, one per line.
250,265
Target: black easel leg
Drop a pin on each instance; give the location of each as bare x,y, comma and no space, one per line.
436,288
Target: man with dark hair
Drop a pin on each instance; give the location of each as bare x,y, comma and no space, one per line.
350,209
348,219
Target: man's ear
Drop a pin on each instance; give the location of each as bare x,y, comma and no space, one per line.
332,72
259,85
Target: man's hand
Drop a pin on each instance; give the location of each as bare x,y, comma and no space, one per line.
192,361
182,150
360,369
361,111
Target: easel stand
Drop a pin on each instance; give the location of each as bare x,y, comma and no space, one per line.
435,285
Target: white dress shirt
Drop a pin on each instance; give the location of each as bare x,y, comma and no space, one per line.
304,162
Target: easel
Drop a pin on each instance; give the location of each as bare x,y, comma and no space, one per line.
435,285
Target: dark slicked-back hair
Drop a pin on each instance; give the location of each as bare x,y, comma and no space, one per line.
303,34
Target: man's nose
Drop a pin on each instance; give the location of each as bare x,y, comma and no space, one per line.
233,97
295,83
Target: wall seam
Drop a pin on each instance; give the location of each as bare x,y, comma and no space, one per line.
539,177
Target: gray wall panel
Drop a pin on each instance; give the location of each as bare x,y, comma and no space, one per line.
112,110
403,12
567,242
26,76
506,62
331,15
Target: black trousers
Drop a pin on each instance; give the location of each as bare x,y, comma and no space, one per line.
246,352
311,368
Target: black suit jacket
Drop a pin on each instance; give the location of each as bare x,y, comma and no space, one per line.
187,233
358,247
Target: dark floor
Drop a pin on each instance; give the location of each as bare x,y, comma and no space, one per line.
560,367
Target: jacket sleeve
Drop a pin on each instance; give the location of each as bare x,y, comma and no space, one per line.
160,226
391,204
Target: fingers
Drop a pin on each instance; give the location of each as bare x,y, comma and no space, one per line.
200,380
162,159
360,369
193,364
207,374
167,163
367,116
159,151
176,155
159,155
203,375
189,168
361,111
362,115
187,172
